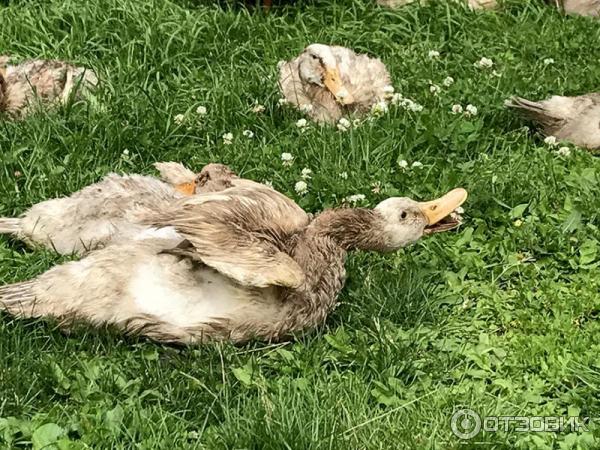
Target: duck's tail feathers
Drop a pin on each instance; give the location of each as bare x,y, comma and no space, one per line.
19,299
537,111
10,225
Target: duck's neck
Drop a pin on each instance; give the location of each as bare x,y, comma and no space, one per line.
350,229
321,253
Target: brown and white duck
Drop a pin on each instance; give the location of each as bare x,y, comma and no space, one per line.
106,210
238,264
328,82
579,7
47,81
573,119
473,4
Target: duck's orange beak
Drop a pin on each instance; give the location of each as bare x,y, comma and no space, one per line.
333,82
187,188
437,210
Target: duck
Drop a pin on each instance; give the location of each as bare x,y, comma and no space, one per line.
472,4
589,8
50,81
328,82
245,263
104,211
573,119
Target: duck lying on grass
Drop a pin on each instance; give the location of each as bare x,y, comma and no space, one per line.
103,211
328,82
48,81
242,263
473,4
573,119
579,7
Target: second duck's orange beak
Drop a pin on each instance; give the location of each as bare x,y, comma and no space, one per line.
187,188
333,82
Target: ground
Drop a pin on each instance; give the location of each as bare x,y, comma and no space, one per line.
501,316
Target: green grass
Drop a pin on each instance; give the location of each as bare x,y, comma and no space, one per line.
497,317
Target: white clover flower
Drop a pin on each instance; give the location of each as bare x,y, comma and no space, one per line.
356,123
435,89
201,110
403,164
306,108
282,101
343,124
496,74
376,187
258,108
470,110
301,123
459,210
287,159
448,81
433,54
355,198
179,119
125,152
457,109
517,223
228,138
344,175
551,141
411,105
379,108
268,183
563,151
388,91
280,63
306,173
484,63
548,61
248,133
417,164
396,98
301,187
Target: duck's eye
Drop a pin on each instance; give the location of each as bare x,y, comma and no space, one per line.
314,56
403,215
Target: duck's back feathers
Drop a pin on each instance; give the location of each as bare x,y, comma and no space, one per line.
364,76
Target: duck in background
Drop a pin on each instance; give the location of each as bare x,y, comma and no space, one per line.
573,119
328,82
44,81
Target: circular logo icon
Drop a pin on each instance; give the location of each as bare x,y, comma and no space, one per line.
465,424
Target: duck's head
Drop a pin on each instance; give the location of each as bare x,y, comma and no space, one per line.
403,221
394,223
212,178
317,65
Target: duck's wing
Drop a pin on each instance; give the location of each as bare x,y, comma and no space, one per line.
242,232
